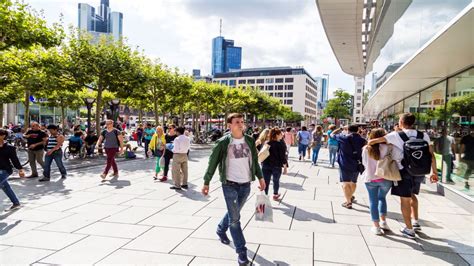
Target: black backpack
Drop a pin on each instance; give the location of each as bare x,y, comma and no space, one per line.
416,154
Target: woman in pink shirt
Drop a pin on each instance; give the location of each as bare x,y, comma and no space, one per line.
289,139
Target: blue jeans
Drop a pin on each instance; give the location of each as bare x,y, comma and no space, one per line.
332,153
268,172
377,192
235,196
6,187
57,156
302,149
316,152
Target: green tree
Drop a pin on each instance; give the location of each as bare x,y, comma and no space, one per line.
339,106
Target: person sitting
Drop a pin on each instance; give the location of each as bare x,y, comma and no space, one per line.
75,142
91,140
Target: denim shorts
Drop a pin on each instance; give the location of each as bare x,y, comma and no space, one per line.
408,186
348,176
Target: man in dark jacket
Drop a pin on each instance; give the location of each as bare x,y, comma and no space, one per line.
7,158
236,156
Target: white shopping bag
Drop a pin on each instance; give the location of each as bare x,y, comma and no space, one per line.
263,209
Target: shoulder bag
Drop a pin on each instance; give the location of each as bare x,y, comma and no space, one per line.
387,167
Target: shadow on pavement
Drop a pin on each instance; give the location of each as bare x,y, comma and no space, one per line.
4,227
302,214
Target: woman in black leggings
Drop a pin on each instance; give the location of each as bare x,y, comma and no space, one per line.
170,136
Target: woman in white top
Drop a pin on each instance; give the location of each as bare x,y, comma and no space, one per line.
376,185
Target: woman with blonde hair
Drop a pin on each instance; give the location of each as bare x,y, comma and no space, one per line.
377,186
264,136
157,146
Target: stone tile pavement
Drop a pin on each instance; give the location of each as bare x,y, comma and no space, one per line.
136,220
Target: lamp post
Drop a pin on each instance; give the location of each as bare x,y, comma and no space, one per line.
89,102
114,108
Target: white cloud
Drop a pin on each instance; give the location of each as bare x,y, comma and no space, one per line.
179,32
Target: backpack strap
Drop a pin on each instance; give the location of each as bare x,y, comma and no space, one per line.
404,136
419,134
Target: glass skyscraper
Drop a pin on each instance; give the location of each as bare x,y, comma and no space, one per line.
225,56
103,22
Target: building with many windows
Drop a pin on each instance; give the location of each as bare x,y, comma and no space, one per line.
419,56
225,56
103,22
358,115
294,87
323,94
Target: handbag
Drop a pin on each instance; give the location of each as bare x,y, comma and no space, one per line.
360,166
387,167
264,153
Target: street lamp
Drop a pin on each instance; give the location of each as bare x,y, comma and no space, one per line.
89,102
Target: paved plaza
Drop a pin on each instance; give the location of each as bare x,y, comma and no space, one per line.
136,220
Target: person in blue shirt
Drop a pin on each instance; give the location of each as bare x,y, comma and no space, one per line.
148,133
76,139
333,146
349,158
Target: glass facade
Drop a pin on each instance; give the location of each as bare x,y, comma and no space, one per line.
44,114
445,111
225,56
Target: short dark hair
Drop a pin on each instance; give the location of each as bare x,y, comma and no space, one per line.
230,117
353,128
288,129
408,119
52,127
3,132
303,128
180,130
172,126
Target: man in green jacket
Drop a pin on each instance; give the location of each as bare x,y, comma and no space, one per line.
236,156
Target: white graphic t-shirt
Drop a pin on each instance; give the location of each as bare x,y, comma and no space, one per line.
238,161
395,139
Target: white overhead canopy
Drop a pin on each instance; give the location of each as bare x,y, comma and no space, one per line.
448,52
342,22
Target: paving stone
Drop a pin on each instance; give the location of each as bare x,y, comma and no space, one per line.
132,215
10,227
113,230
21,255
39,215
276,237
174,220
129,257
73,222
87,251
42,240
342,249
412,256
209,261
393,239
210,249
159,239
272,255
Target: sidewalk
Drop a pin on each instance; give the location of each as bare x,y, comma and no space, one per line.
136,220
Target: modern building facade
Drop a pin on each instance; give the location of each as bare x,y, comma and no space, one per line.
323,94
419,56
225,56
294,87
102,22
358,115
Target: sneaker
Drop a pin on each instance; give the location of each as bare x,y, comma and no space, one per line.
385,226
416,226
155,178
175,188
103,176
184,186
32,176
243,259
408,233
466,186
353,199
223,238
300,158
63,177
13,208
163,179
43,179
376,230
276,197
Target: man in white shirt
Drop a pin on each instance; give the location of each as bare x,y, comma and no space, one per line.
179,168
409,186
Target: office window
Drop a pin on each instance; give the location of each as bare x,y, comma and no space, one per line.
279,94
270,88
260,81
232,82
261,87
279,87
289,101
269,80
242,81
289,87
224,82
288,79
359,91
271,94
358,105
280,80
359,97
357,111
288,94
251,81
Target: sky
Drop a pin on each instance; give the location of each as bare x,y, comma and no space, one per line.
179,32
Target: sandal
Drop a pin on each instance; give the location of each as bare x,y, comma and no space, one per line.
346,205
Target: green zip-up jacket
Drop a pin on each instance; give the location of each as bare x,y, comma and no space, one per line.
218,158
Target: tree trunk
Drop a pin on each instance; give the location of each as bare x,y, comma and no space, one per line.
63,117
155,110
163,118
99,108
140,116
1,115
182,117
27,110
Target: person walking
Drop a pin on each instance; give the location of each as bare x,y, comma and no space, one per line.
377,186
169,137
140,135
304,138
467,148
349,159
409,186
317,141
157,144
273,164
289,139
148,134
113,141
446,146
236,156
53,152
8,158
310,130
333,146
180,160
35,139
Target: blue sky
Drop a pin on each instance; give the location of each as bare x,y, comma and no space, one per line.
179,32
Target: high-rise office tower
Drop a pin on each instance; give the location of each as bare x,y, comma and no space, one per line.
225,56
103,22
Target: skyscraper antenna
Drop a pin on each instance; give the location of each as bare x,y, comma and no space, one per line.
220,28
